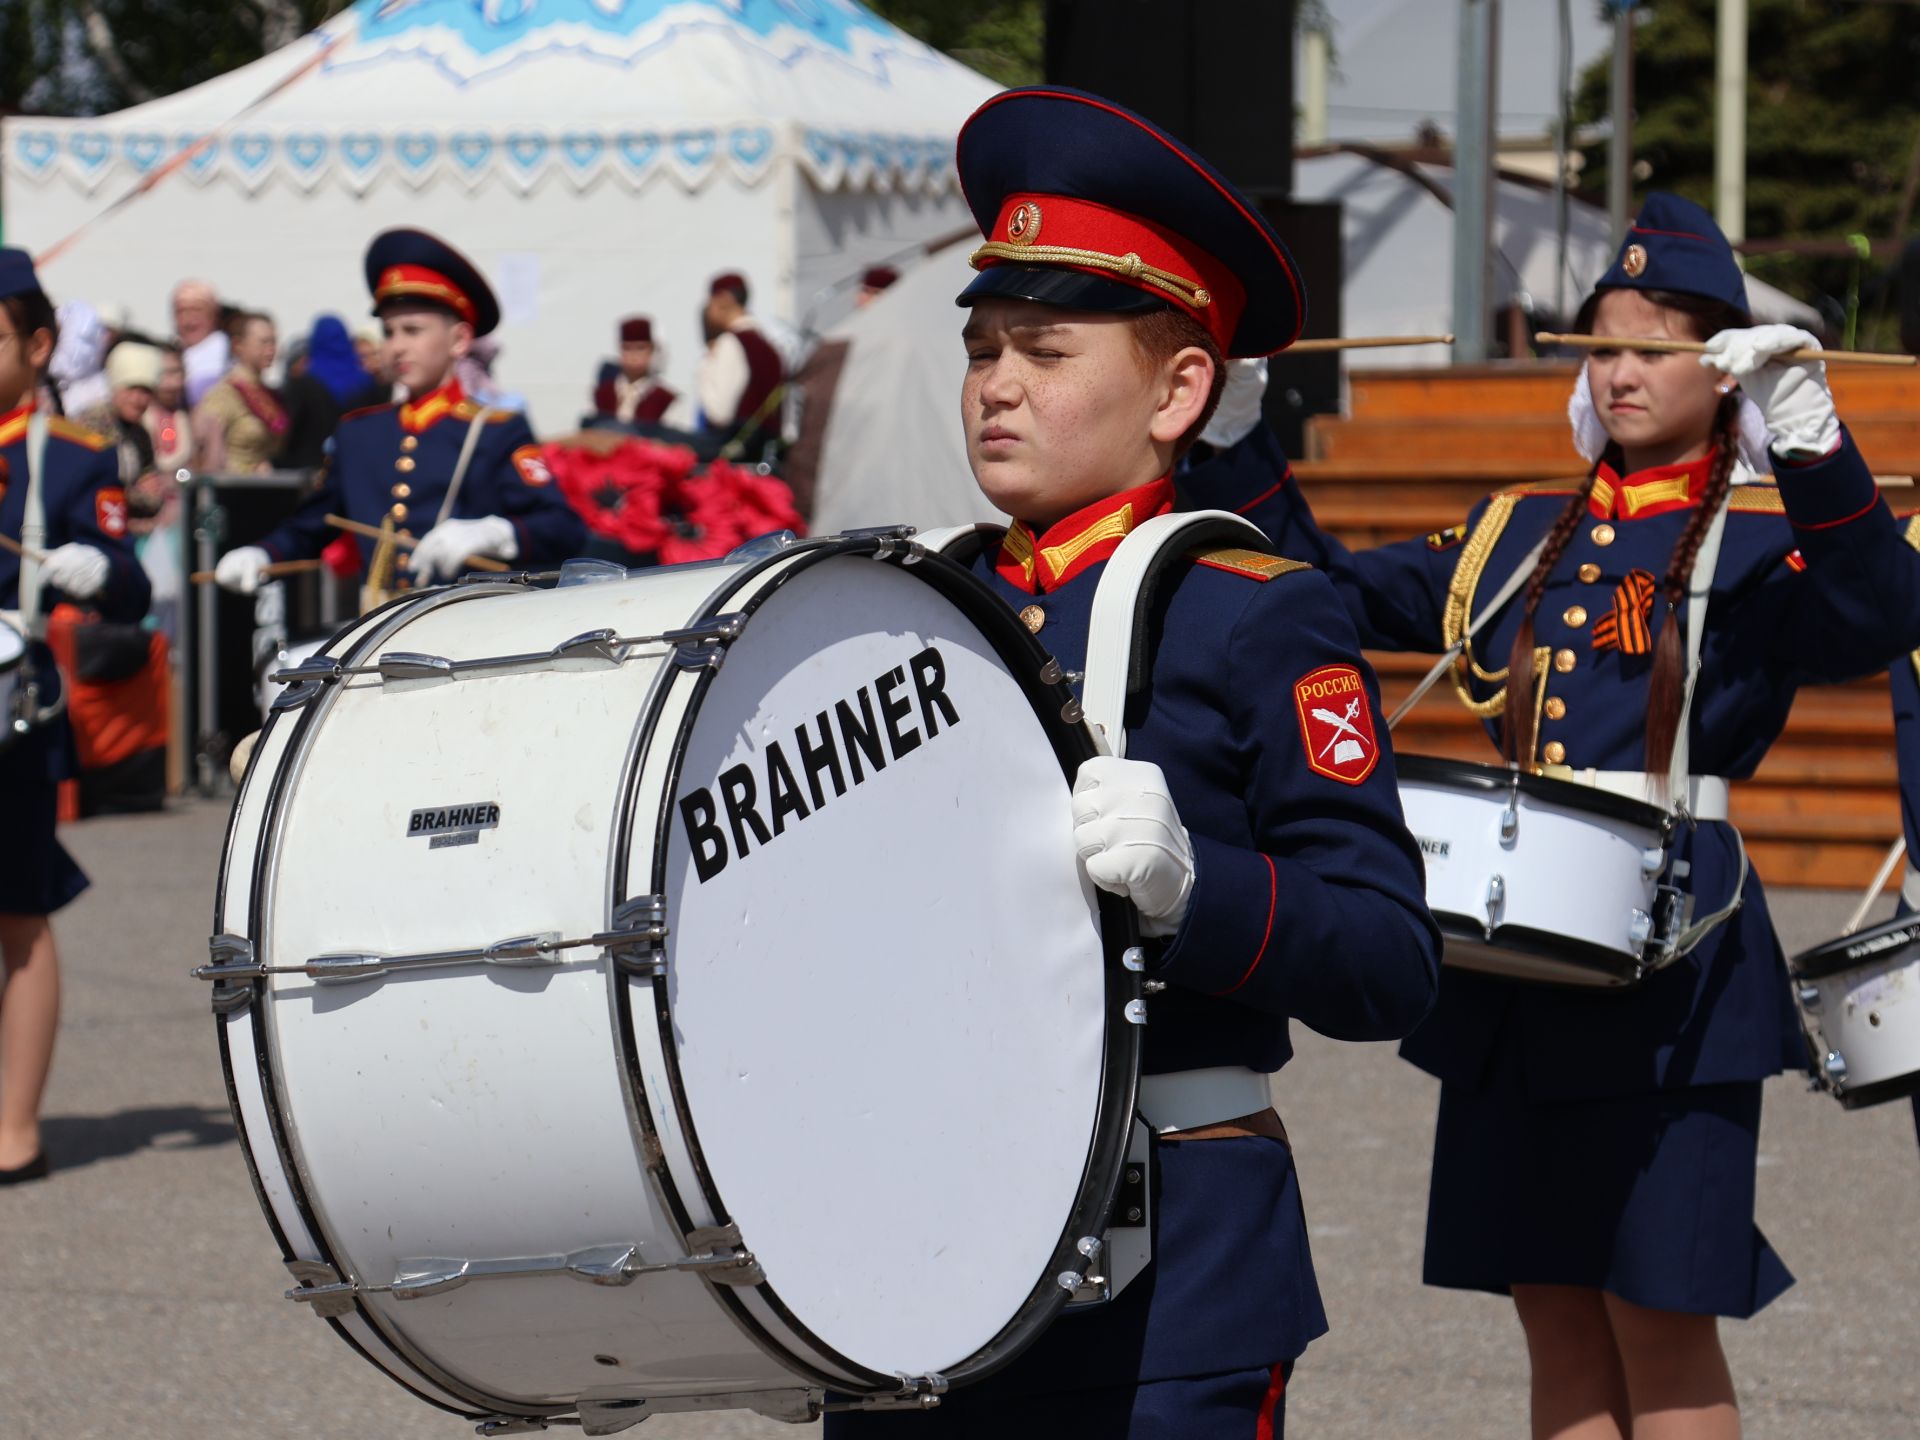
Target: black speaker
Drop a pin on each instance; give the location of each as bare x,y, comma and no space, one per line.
1299,386
1216,73
1910,298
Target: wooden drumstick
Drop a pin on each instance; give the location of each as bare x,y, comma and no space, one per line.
1694,347
407,542
25,552
267,572
1362,342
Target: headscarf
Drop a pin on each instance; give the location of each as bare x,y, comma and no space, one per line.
332,360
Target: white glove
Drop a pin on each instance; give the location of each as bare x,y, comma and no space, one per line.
1792,395
1240,401
444,549
77,571
239,570
1131,839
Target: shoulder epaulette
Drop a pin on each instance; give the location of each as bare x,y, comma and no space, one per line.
65,429
1251,563
1544,487
467,409
1755,500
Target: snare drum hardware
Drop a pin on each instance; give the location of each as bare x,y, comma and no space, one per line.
1859,1003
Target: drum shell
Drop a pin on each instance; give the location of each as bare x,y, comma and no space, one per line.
1859,1001
1574,882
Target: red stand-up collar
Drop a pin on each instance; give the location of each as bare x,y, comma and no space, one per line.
1649,492
13,424
417,415
1083,539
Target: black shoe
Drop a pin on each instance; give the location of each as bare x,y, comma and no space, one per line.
34,1169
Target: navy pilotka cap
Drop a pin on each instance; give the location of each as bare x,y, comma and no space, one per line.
1088,206
16,273
414,266
1673,244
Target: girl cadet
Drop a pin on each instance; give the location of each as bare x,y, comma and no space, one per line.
1118,270
1595,1153
61,500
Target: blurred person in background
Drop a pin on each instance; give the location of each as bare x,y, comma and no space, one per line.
77,371
370,345
204,346
742,373
167,419
633,395
312,412
240,426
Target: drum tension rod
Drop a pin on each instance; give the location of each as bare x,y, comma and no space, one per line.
720,1257
233,956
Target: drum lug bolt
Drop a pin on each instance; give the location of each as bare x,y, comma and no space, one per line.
1134,958
1835,1068
1809,996
1136,1012
1640,927
1652,861
1051,673
1152,987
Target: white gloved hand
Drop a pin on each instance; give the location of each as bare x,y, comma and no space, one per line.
444,549
77,571
1792,395
239,570
1130,837
1241,397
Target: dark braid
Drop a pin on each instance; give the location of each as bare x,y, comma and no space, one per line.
1668,690
1517,733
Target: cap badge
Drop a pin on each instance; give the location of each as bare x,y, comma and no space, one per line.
1634,262
1023,225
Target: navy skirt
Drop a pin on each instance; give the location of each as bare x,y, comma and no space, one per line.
37,876
1648,1197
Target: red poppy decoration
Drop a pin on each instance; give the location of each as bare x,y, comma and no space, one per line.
645,497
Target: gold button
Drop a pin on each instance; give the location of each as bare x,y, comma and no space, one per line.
1589,572
1033,617
403,464
1603,534
1556,708
1563,661
1576,616
402,490
399,514
1555,753
409,442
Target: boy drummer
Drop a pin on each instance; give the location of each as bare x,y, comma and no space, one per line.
1256,825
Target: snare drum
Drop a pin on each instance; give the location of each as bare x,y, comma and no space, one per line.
1532,878
1859,1002
13,684
678,992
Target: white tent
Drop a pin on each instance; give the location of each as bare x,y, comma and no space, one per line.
596,158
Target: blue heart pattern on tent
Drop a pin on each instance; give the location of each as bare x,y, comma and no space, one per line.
362,152
693,149
143,152
90,150
202,162
36,150
471,152
527,151
750,148
306,153
416,151
583,152
252,153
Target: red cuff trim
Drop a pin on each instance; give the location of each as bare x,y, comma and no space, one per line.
1843,520
1273,899
1264,495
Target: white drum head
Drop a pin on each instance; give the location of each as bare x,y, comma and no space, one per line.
889,1013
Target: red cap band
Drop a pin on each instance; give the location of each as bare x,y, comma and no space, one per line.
417,282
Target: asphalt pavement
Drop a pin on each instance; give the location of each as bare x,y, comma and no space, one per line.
140,1291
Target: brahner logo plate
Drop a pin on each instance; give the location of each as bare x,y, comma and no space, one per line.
445,825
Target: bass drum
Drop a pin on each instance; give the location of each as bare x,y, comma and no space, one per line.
679,991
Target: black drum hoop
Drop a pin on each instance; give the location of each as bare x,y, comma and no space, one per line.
1439,770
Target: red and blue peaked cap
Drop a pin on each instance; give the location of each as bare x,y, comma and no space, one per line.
413,266
1088,206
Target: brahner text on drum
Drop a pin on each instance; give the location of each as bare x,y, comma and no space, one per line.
841,739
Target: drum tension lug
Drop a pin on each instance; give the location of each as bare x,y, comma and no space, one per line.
232,961
635,939
509,1425
322,1288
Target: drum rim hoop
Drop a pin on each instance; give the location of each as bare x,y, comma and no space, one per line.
1024,658
1831,958
1569,794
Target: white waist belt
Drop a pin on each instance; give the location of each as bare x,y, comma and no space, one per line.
1707,795
1188,1099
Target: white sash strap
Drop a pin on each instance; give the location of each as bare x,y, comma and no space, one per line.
1707,795
467,447
33,527
1188,1099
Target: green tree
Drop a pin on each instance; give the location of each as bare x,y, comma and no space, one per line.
86,57
1002,39
1833,127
